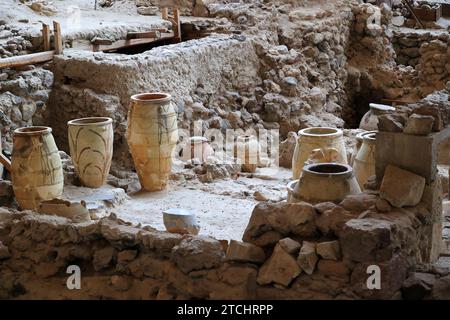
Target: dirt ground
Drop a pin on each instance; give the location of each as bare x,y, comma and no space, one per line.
223,207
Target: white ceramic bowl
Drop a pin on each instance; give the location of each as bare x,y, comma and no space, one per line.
182,221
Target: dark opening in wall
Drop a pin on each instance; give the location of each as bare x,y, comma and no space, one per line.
189,31
360,97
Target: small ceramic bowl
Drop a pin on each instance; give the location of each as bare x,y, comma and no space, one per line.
182,221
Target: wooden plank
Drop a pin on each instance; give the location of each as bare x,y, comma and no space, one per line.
120,44
46,36
24,60
57,38
177,25
5,161
100,41
144,35
165,13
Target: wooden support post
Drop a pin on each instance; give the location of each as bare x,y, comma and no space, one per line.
5,161
24,60
177,25
46,36
165,13
57,38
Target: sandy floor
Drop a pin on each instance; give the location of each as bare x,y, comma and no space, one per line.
76,16
223,208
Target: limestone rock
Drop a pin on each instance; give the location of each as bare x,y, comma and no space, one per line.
389,123
280,219
287,150
289,245
331,221
126,256
120,283
324,206
244,252
148,11
419,125
358,202
4,252
333,268
417,286
197,253
401,188
281,268
433,111
307,258
361,238
393,273
103,258
441,288
382,205
329,250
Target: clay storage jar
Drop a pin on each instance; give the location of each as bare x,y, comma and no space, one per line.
152,135
196,147
36,167
359,142
369,121
91,148
247,151
324,182
364,164
323,138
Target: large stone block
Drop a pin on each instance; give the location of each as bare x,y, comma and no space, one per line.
281,268
401,188
329,250
245,252
197,253
392,275
362,239
307,258
402,150
282,218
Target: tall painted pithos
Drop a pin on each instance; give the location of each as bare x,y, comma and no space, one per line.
152,135
91,148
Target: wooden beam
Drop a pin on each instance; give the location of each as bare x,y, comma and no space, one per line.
5,162
57,38
24,60
165,13
120,44
100,41
176,25
46,36
144,35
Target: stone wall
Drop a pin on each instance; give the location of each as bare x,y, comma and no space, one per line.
211,79
291,251
428,53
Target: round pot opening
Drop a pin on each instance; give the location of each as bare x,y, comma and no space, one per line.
320,131
90,121
152,97
328,168
36,130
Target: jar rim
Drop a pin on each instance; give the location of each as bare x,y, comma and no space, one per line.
32,131
328,169
320,132
90,121
151,97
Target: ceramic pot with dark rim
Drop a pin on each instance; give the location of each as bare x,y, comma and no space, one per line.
91,148
152,136
36,168
324,182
